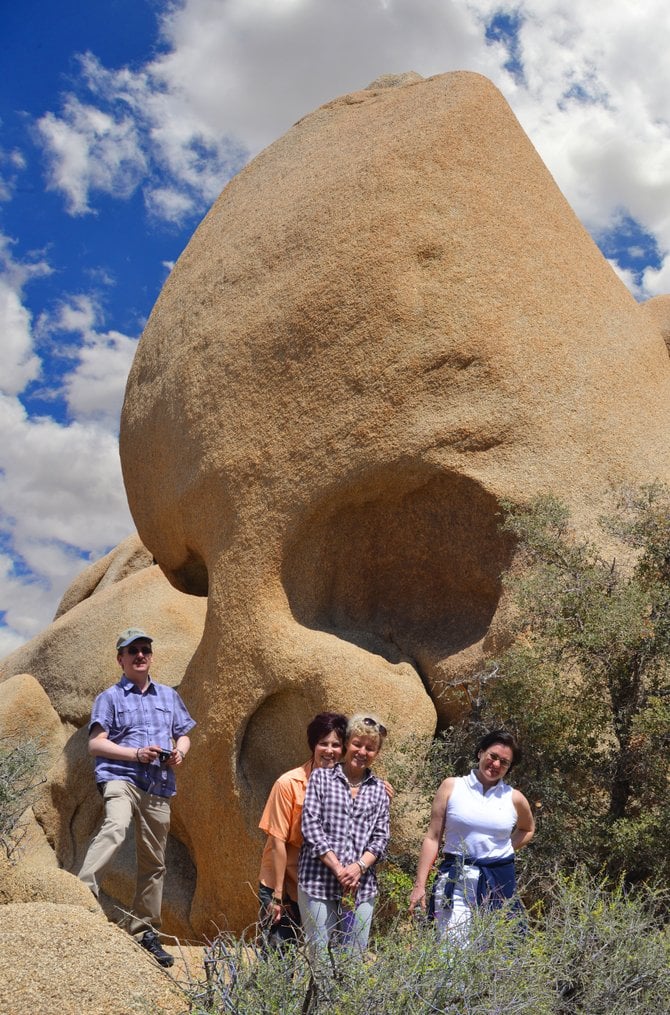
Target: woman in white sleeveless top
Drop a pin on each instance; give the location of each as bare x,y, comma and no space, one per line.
482,822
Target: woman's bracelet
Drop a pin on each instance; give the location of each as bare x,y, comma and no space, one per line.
362,864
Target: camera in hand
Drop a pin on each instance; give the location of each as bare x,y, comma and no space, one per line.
164,756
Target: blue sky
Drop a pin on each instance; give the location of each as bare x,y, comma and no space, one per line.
120,122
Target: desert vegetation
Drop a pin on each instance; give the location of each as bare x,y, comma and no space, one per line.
18,780
589,948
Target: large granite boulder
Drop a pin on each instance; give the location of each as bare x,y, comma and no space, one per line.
74,659
125,559
389,321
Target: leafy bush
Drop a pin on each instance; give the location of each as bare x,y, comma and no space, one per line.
587,950
586,686
18,779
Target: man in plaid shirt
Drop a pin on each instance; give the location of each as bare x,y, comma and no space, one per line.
345,827
138,736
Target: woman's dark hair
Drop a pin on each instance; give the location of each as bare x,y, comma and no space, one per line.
323,724
500,737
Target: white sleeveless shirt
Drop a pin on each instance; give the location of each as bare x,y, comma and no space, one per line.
479,823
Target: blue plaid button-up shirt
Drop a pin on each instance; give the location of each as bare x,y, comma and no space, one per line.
133,719
333,819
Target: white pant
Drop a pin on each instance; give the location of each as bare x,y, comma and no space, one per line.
456,918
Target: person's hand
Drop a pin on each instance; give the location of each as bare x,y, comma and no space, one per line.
145,755
390,792
418,897
274,910
175,758
349,876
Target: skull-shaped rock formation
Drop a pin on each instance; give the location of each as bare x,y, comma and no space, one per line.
388,321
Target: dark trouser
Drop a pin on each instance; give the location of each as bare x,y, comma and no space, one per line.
285,931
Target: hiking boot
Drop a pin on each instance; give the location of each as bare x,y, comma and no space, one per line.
150,941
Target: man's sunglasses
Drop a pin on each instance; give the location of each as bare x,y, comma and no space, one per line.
134,650
367,721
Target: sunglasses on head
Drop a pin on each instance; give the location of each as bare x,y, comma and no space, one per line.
367,721
134,650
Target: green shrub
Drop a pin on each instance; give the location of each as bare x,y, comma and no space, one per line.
606,949
585,684
18,779
587,950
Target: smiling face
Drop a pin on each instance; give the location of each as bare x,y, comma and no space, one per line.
359,754
494,763
135,660
328,751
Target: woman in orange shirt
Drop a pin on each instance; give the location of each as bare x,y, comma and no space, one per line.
278,889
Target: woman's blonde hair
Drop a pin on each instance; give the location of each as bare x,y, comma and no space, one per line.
365,725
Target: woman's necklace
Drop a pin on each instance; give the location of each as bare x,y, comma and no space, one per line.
353,784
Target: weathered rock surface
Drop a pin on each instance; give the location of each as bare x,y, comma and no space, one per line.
388,321
658,309
26,713
64,960
125,559
29,882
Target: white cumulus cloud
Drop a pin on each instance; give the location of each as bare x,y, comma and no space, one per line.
62,499
95,386
589,83
20,364
62,503
91,150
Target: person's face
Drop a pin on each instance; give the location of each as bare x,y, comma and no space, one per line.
135,660
494,763
328,751
360,753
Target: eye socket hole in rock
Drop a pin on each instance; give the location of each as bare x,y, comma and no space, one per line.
407,567
191,577
274,741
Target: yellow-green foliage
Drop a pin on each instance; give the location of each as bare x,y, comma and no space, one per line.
589,950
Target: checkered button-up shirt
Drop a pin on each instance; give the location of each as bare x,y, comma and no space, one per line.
133,719
334,820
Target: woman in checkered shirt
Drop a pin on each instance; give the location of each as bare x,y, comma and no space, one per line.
279,917
345,827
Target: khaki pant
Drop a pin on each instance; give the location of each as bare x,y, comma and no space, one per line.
123,802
